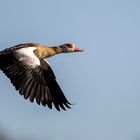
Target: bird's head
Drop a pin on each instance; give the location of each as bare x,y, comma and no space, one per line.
68,48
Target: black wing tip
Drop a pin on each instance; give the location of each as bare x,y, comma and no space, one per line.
63,106
58,106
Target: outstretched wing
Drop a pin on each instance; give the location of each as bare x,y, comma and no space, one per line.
34,81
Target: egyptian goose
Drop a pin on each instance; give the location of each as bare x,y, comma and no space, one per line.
32,75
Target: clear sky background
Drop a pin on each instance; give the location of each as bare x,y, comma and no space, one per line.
103,81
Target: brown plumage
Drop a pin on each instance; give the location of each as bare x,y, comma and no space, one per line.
32,76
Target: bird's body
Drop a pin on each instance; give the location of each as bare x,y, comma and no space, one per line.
32,75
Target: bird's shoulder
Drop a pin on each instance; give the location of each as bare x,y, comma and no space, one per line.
20,46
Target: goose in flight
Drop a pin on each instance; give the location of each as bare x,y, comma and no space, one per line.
31,74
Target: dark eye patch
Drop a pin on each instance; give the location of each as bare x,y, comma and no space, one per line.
69,45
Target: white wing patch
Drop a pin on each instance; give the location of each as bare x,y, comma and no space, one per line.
27,56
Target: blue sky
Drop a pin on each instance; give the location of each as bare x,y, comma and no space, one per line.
103,81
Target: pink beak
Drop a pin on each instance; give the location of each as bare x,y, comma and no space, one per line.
78,50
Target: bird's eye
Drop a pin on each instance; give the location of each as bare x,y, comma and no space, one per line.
70,46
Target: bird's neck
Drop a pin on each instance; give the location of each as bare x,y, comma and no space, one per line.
43,52
54,50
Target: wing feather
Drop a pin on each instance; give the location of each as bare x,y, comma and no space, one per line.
38,82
